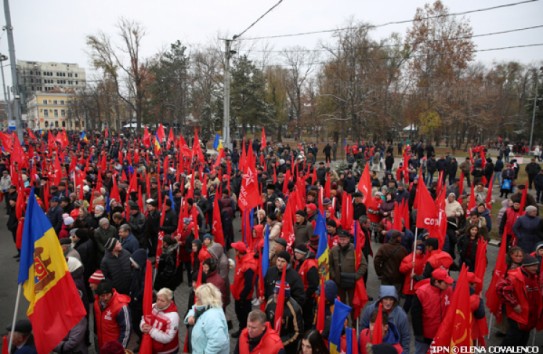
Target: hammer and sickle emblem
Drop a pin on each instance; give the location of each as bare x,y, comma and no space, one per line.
454,341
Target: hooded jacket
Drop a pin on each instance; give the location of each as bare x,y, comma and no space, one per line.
396,316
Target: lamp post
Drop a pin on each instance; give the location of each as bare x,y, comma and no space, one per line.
3,58
536,75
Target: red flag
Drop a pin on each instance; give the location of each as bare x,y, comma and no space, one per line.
488,200
471,203
377,335
347,212
280,303
523,201
114,194
397,221
249,196
480,262
493,302
455,329
327,185
263,143
196,148
287,229
321,308
364,185
360,294
171,139
161,135
216,228
146,138
427,212
146,346
5,344
287,179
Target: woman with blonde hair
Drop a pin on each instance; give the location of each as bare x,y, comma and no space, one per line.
163,324
210,332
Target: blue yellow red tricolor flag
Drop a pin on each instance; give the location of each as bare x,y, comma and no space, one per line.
322,250
341,311
55,306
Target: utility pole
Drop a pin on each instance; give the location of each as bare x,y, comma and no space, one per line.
226,103
14,78
4,87
536,75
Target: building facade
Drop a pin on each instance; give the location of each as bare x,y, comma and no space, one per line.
51,110
40,77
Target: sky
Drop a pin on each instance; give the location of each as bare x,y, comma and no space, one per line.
55,30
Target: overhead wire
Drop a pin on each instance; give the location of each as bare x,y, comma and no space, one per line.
389,23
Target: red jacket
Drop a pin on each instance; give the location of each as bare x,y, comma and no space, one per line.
161,321
406,266
243,264
305,267
434,305
511,215
107,327
269,344
520,292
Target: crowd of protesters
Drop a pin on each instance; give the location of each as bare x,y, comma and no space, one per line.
116,200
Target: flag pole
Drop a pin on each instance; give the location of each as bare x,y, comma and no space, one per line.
414,255
489,327
19,287
533,338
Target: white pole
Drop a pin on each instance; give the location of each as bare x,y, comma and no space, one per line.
14,315
534,332
414,255
489,327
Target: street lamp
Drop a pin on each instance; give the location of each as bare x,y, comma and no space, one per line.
536,74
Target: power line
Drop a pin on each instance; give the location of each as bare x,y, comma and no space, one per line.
389,23
392,45
258,19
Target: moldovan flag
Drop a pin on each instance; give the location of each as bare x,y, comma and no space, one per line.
341,311
455,329
55,305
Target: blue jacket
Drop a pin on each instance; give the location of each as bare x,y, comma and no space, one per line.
131,244
397,317
527,230
210,332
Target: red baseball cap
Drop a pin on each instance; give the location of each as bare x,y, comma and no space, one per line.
443,275
240,246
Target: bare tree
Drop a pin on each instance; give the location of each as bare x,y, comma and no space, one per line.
129,74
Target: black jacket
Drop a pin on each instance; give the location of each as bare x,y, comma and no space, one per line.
292,278
118,270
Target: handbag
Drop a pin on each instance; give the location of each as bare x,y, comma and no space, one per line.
347,280
506,184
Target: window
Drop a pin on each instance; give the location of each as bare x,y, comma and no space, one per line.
46,113
31,73
75,75
62,102
56,113
44,101
55,102
63,113
46,124
77,82
63,124
56,124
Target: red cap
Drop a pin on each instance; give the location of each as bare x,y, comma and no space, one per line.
311,207
443,275
240,246
472,278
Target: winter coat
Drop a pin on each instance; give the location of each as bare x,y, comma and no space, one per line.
341,260
291,277
302,233
527,229
210,332
387,262
118,269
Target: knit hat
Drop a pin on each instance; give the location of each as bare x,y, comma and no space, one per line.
301,248
110,244
285,255
302,213
278,287
21,326
65,241
104,287
432,242
529,260
530,208
68,221
314,240
281,241
330,290
331,222
96,277
209,236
